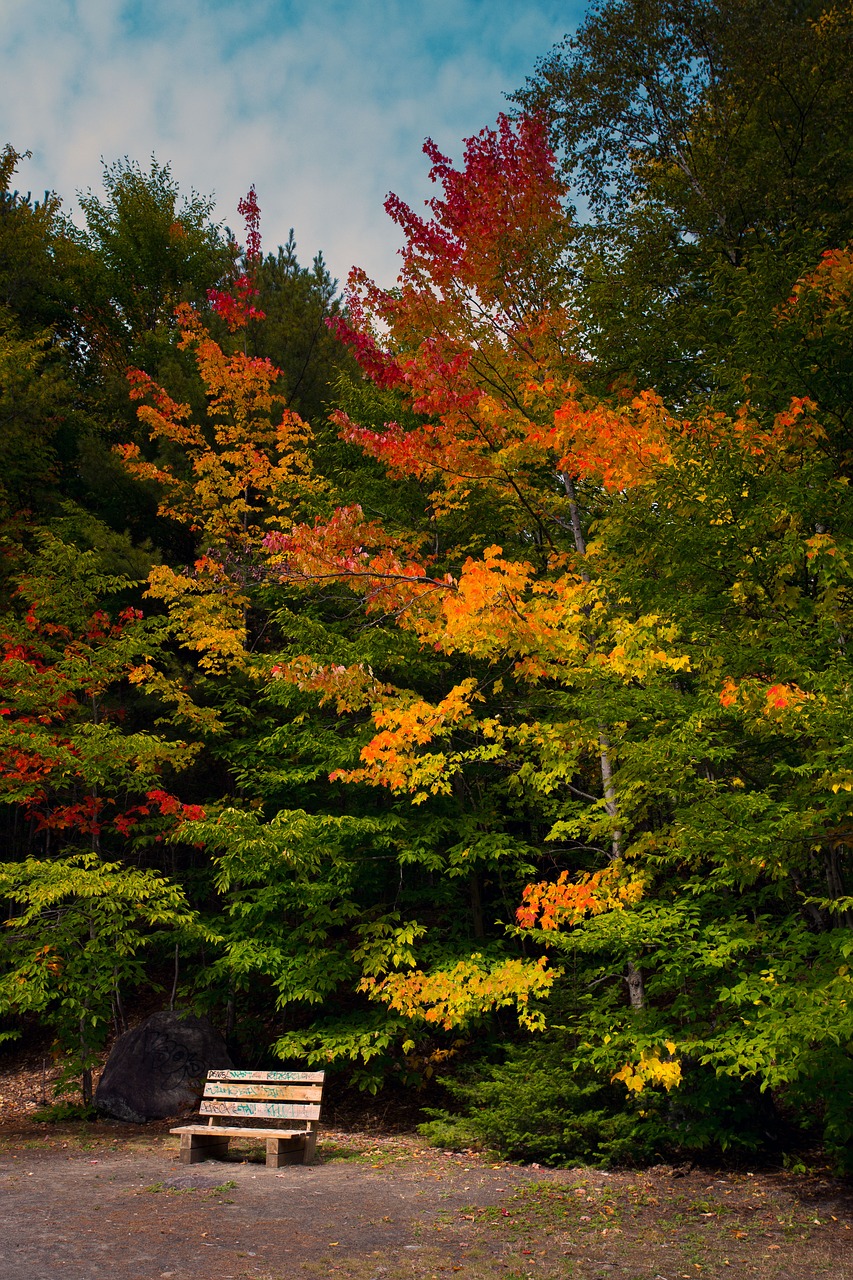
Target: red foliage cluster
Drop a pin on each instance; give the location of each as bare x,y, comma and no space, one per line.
235,306
249,209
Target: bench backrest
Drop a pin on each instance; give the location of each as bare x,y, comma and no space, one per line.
264,1095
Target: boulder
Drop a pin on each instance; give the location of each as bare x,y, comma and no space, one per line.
157,1069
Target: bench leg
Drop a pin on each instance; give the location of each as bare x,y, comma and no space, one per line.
310,1147
196,1147
282,1151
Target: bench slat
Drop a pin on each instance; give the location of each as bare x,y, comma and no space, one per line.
275,1110
274,1092
292,1077
241,1131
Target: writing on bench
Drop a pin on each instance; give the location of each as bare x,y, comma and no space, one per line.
252,1104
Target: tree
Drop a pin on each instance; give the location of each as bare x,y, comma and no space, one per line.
225,489
294,306
42,413
82,775
154,249
710,144
660,611
75,944
38,258
232,476
730,118
297,302
483,347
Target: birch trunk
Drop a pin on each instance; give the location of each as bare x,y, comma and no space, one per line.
603,741
633,975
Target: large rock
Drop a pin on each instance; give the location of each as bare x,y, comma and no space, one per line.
157,1069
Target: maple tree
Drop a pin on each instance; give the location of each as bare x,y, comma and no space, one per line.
229,475
621,661
224,489
483,351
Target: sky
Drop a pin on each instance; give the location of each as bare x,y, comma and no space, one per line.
322,104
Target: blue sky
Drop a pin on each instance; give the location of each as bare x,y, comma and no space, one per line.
323,105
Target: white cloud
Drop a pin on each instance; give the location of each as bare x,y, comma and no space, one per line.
324,105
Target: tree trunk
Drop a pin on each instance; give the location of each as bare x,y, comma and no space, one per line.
636,989
609,791
603,741
175,979
634,975
86,1073
476,906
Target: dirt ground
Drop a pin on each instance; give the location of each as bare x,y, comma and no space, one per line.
110,1200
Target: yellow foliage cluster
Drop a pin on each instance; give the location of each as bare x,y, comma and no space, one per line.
651,1069
245,466
452,997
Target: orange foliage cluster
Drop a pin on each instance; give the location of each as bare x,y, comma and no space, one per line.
758,697
621,447
391,759
256,454
823,296
550,905
547,905
780,445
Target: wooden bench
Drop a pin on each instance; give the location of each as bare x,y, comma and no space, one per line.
233,1098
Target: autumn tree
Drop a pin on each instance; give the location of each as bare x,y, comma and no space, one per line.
654,572
483,351
222,491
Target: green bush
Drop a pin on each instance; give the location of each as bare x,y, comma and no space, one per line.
535,1107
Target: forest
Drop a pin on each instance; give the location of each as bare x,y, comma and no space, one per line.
449,684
